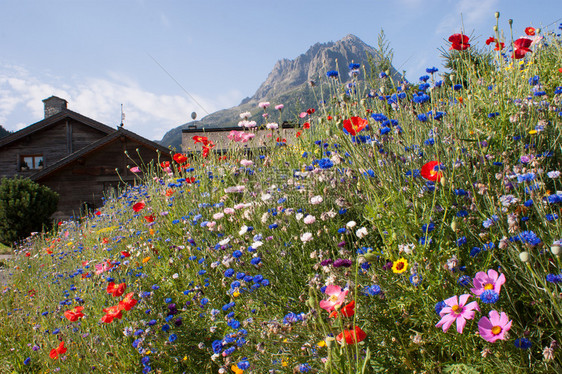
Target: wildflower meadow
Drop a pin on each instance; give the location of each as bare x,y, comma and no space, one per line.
411,227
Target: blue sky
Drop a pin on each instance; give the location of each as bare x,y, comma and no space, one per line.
101,54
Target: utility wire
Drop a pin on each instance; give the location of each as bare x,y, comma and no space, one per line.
178,83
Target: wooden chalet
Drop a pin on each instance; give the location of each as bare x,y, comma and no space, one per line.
79,158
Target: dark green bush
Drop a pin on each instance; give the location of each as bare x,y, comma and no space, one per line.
25,207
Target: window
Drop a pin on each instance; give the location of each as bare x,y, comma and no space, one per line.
30,162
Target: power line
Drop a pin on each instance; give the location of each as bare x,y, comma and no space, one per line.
178,83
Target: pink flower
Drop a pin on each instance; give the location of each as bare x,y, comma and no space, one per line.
135,169
310,219
336,299
303,114
103,267
240,136
490,281
457,310
279,107
495,327
264,104
246,163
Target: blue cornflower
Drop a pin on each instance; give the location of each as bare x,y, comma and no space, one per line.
530,238
553,278
464,280
431,70
493,115
304,368
244,364
551,217
325,163
439,306
457,87
523,343
352,66
422,117
416,279
27,361
428,227
489,296
332,74
424,78
533,81
373,290
474,251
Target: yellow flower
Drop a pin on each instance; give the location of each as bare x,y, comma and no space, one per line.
321,343
236,294
236,369
145,260
532,132
400,266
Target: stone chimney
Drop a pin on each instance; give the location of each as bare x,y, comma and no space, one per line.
54,105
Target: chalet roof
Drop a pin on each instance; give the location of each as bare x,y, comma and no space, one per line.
49,121
116,134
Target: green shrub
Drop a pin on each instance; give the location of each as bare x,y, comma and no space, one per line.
25,207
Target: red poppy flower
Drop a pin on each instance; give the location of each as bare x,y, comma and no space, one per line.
306,125
346,311
74,314
530,31
139,206
149,218
180,158
521,47
459,42
298,134
200,139
310,111
128,302
352,336
499,46
105,240
98,213
165,164
125,254
329,118
431,171
355,125
111,313
27,254
281,140
55,352
116,290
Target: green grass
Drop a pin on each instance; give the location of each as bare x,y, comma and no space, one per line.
5,250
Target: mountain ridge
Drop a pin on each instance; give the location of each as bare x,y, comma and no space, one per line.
289,76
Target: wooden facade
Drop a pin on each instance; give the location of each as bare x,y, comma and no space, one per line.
79,158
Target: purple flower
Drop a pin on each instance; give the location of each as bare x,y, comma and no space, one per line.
340,262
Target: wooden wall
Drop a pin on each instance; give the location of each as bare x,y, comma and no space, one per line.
89,177
54,143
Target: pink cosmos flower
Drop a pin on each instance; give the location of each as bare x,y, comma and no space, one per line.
490,281
457,310
303,114
336,299
495,327
279,106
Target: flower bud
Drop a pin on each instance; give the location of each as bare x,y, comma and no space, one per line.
454,225
497,14
510,21
495,28
524,256
555,249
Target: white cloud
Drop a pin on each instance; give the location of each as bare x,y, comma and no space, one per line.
473,12
147,113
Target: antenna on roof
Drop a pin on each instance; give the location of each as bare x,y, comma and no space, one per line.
122,117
